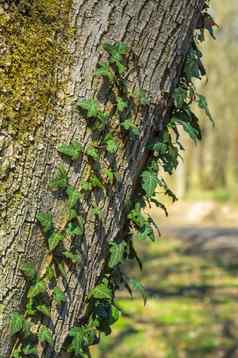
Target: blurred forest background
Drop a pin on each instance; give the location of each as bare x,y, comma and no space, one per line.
191,273
212,166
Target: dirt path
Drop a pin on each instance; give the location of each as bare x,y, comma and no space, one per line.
207,228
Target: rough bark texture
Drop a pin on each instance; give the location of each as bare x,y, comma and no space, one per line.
159,33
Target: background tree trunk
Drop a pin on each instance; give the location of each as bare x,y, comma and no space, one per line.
159,34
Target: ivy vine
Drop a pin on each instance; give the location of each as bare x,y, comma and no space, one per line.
30,329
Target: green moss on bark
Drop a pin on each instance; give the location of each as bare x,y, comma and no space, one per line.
33,38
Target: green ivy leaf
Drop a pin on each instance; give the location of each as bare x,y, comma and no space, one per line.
73,196
60,179
145,233
45,335
180,95
128,125
17,323
202,103
29,350
82,337
45,220
37,289
111,144
61,268
191,67
96,211
72,150
29,271
116,314
74,230
93,153
30,310
121,104
44,310
137,286
101,291
117,51
78,342
54,240
117,251
17,353
149,182
108,173
58,295
85,186
50,273
72,257
193,131
96,182
71,214
105,71
136,216
105,314
90,106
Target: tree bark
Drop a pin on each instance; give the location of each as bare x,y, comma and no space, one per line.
159,34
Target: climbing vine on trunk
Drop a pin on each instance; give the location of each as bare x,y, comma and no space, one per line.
111,125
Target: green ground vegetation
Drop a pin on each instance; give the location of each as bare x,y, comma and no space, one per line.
192,309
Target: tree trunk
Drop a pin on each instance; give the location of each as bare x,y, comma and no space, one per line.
42,114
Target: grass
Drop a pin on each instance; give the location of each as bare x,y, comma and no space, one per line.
192,310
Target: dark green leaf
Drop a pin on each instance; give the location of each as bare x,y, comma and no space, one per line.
90,106
136,216
37,289
96,211
85,186
71,214
17,353
44,310
111,144
202,103
61,268
17,323
149,182
58,295
101,291
54,240
29,350
29,271
117,251
45,335
30,310
46,221
82,337
180,95
108,173
137,286
105,71
121,104
117,52
72,150
73,196
128,125
74,230
96,182
145,233
60,180
93,153
72,257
